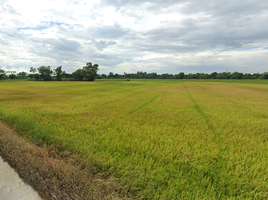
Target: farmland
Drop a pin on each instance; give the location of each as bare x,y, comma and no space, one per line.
164,139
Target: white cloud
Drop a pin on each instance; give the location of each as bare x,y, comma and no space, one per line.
127,36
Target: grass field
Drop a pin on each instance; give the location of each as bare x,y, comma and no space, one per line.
164,139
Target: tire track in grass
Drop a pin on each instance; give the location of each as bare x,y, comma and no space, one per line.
216,164
199,110
228,175
237,104
145,104
133,92
148,102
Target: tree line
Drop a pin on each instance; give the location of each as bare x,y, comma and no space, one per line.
89,73
182,75
46,73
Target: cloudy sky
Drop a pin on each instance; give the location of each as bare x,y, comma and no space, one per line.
163,36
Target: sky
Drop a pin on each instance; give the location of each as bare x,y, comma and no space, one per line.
163,36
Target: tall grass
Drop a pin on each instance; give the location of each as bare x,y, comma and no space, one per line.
164,139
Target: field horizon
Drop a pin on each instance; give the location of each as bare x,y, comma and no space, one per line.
163,139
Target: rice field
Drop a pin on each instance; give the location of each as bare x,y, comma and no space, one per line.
163,139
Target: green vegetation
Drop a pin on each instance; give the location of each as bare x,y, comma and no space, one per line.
164,139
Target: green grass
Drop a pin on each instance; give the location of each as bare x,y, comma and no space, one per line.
164,139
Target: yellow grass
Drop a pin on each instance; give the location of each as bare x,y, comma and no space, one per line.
165,139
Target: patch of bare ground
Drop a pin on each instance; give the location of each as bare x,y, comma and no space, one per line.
52,174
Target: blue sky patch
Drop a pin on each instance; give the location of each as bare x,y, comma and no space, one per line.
44,25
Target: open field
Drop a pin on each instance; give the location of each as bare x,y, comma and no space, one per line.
164,139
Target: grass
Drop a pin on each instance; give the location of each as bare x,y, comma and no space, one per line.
164,139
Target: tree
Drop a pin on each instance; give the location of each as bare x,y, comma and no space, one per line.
3,75
224,75
77,75
22,75
37,77
104,76
236,75
213,75
181,75
111,74
264,75
63,75
59,73
12,76
45,73
247,76
33,70
89,71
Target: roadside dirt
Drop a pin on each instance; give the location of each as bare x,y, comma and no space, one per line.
51,174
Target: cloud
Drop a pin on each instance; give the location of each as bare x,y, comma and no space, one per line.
123,36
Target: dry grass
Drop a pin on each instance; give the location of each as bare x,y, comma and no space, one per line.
54,175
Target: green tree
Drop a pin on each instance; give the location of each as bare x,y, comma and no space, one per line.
59,73
22,75
45,73
77,75
33,70
3,75
181,75
247,76
63,75
264,75
111,74
104,76
36,76
236,75
12,76
213,75
89,71
224,75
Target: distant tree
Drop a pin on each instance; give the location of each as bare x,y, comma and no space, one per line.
191,76
224,75
236,75
22,75
181,75
256,75
104,76
89,71
264,75
12,76
59,73
204,76
33,70
116,75
45,73
63,75
152,75
3,75
98,76
77,75
247,76
213,75
37,77
164,76
68,75
111,74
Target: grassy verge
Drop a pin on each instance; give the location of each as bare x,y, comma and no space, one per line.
53,174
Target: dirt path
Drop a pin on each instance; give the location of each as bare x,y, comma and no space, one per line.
54,176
